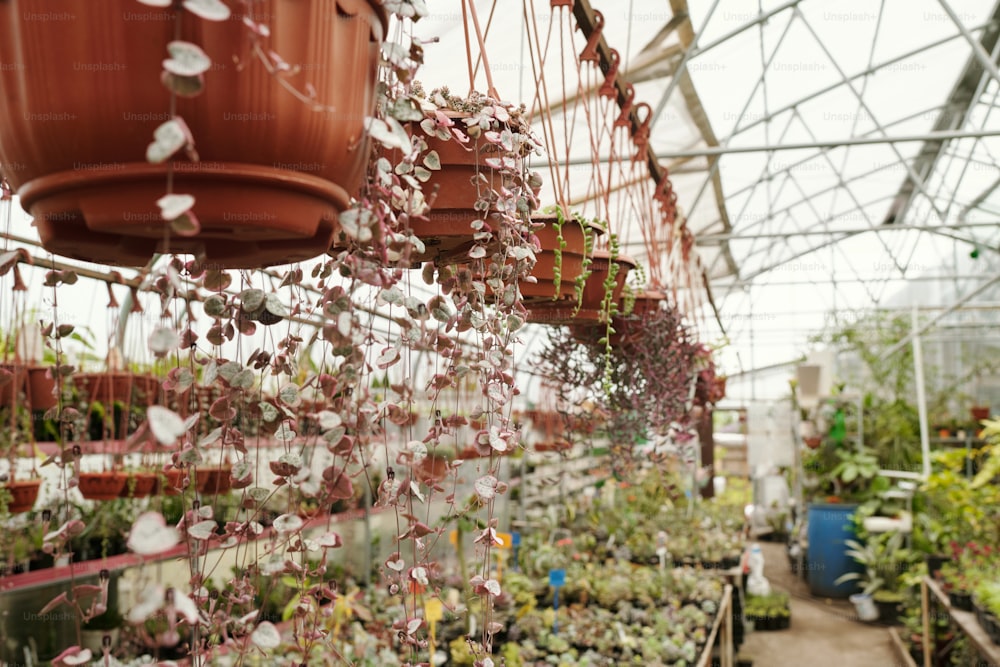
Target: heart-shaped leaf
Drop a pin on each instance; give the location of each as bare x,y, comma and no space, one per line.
168,138
288,523
203,530
165,424
210,10
356,223
486,487
265,636
173,206
186,225
252,299
186,59
163,340
151,535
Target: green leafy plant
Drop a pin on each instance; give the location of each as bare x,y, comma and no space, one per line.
884,559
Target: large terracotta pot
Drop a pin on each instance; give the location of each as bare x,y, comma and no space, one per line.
80,98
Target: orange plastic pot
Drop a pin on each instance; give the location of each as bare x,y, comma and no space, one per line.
452,192
591,312
77,115
102,485
23,495
214,479
139,485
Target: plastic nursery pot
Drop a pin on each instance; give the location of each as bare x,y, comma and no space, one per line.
214,479
41,388
453,191
273,171
102,485
865,607
139,485
570,264
590,314
23,495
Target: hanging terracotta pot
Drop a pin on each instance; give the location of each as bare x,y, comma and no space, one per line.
102,485
591,310
453,190
139,485
569,263
77,116
214,479
41,388
170,482
23,493
646,302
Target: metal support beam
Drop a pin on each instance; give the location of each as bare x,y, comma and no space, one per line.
833,143
715,239
955,306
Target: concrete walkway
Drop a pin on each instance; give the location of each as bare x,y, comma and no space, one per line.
823,633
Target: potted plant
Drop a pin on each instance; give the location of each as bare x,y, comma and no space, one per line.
472,153
884,559
19,494
258,203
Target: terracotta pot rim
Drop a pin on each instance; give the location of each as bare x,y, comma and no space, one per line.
122,174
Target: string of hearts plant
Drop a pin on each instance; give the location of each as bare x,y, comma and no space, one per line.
642,383
478,304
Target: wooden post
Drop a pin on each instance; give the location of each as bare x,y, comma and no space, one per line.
925,617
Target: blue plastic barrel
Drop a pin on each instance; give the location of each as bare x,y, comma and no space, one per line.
830,524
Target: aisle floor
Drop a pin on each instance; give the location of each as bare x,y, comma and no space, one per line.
823,633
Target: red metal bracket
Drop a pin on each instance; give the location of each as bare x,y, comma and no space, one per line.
667,198
641,135
625,117
589,52
608,88
561,3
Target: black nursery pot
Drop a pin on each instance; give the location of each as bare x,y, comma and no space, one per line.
934,563
960,600
888,612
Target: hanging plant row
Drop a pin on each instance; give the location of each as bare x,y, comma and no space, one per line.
382,375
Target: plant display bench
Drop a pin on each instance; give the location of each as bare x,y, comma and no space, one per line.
931,595
723,629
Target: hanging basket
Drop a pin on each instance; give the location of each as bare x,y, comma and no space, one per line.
591,312
570,263
23,495
139,485
102,485
214,479
76,118
170,482
41,388
458,192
